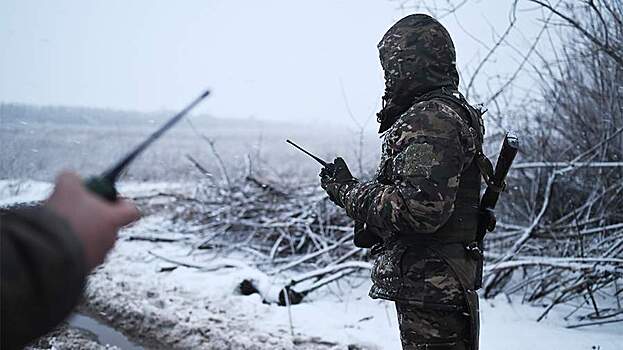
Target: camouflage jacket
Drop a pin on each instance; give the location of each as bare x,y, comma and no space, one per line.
427,156
43,272
424,154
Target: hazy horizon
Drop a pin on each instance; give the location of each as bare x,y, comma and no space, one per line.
272,60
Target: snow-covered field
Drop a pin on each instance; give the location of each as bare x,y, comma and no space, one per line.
145,291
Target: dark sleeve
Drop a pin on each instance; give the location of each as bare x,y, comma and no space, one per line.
426,151
43,273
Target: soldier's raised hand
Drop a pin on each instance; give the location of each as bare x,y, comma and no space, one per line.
95,221
334,177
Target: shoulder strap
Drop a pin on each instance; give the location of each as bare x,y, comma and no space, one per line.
473,116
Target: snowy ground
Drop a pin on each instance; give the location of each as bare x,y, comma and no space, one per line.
199,300
165,305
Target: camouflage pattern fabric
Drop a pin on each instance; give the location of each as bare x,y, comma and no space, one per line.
422,158
425,152
413,194
415,275
423,200
429,329
418,56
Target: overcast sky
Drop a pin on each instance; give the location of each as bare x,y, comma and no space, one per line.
283,60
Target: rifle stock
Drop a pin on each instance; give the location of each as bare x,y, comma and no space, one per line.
510,146
490,198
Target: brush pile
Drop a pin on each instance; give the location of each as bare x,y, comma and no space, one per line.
557,243
282,228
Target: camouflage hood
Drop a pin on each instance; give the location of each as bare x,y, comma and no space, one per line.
417,55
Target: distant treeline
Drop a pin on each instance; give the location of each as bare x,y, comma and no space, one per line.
16,113
23,114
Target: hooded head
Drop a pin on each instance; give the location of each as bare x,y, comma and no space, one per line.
417,55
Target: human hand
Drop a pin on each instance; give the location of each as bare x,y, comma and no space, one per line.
94,220
333,177
337,172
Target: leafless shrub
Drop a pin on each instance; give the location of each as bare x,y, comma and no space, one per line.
565,204
283,225
561,236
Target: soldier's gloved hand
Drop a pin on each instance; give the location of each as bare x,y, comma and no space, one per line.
334,177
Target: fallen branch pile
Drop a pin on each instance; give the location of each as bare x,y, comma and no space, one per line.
566,243
283,228
560,256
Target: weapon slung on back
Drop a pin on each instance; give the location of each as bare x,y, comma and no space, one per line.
502,166
510,146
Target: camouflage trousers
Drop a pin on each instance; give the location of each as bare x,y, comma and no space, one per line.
425,328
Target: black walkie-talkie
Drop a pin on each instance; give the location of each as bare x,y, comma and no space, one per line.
104,185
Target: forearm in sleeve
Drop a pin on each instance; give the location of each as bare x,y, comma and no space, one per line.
43,273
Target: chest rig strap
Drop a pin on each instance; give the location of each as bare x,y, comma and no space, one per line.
473,116
466,263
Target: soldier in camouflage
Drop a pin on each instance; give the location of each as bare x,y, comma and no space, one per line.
420,211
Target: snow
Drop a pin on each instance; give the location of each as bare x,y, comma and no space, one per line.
339,314
201,307
513,326
27,191
19,191
198,298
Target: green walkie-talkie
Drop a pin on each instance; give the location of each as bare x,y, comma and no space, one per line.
104,185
